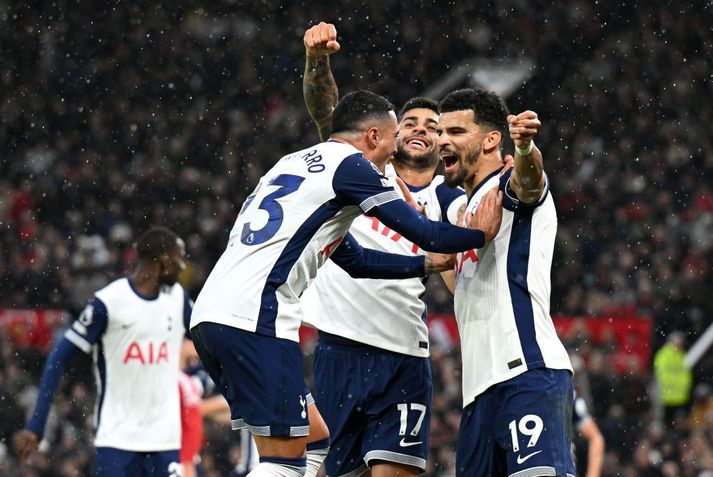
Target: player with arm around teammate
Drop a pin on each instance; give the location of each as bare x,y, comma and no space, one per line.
517,378
133,328
246,319
385,329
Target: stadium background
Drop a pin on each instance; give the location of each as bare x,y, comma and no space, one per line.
116,117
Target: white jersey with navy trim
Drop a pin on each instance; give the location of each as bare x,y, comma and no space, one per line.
387,314
502,297
135,342
295,218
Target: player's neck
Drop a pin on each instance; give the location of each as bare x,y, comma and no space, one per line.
415,171
417,177
482,173
145,280
358,142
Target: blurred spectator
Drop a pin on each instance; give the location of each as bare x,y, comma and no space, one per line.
673,377
112,119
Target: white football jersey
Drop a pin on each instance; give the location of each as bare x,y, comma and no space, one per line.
295,218
387,314
135,342
502,297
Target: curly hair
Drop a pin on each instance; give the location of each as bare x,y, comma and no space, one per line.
488,108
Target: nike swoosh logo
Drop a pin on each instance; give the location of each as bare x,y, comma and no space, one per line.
403,443
520,460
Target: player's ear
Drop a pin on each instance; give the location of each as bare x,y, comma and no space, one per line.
372,137
492,140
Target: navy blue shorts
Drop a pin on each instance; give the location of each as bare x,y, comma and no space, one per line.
261,377
519,427
377,405
112,462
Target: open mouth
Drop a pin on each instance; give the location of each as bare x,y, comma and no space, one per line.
449,159
417,143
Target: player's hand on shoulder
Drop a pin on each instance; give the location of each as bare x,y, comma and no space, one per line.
25,442
321,39
523,128
438,262
489,214
408,197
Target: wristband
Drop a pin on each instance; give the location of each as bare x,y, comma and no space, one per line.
524,151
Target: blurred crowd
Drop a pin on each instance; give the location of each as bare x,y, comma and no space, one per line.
115,118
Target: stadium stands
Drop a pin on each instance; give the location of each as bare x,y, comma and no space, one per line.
114,119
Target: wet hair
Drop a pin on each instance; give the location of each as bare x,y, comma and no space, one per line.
418,103
488,108
156,242
356,108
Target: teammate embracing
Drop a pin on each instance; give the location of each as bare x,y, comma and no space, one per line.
246,319
372,374
517,384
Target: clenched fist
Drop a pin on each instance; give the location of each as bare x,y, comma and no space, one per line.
321,40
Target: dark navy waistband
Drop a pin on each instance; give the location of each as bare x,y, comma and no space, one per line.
345,344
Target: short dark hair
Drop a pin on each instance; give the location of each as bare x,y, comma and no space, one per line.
488,108
355,108
418,103
155,242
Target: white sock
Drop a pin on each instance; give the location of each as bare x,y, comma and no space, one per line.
315,457
269,469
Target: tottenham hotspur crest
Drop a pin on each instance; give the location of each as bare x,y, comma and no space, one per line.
303,415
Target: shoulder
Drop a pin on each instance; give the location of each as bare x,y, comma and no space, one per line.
115,290
332,149
444,192
356,167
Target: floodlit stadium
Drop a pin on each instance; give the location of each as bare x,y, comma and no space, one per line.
115,118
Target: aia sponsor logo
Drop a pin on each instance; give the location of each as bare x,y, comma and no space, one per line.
377,226
463,257
146,353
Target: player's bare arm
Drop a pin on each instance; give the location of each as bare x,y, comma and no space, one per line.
489,214
318,86
595,447
438,262
528,178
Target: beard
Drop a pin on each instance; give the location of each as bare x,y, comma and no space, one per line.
424,160
456,179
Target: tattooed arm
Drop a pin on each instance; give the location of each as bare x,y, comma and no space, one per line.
318,85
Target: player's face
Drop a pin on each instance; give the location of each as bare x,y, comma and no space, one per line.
418,141
173,265
460,143
386,147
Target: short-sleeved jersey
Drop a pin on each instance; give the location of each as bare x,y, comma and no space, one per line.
387,314
135,341
295,218
502,297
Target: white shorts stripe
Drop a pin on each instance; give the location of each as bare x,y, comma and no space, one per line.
395,457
